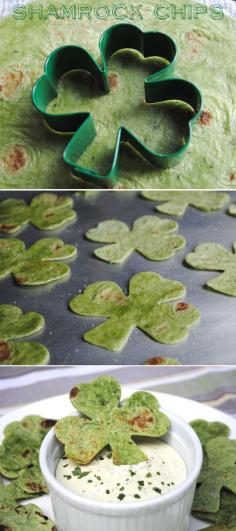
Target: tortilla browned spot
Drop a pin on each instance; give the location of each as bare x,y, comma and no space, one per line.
5,351
35,487
181,306
196,40
205,118
7,226
47,423
108,295
26,453
11,82
141,421
157,360
74,392
232,176
21,279
113,81
16,158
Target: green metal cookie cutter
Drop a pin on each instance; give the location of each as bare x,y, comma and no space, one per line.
158,87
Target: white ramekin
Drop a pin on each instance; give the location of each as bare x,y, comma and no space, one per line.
171,512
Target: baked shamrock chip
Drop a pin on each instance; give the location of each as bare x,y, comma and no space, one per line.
107,422
29,484
20,447
46,212
218,472
23,353
37,264
176,203
226,513
14,324
146,307
150,236
24,517
215,257
209,430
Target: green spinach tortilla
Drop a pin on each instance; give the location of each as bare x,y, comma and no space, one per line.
31,154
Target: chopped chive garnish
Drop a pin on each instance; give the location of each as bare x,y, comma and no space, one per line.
121,496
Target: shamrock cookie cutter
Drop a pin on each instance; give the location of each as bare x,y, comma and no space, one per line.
158,87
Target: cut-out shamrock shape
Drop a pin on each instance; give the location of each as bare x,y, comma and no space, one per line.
23,353
14,325
214,257
150,236
21,443
209,430
218,472
46,212
107,422
226,516
158,87
175,203
35,265
27,517
145,307
29,484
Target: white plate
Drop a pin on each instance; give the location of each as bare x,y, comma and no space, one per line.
60,406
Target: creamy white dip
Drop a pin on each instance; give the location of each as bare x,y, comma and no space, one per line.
104,481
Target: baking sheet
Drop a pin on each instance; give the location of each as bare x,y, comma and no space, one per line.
212,341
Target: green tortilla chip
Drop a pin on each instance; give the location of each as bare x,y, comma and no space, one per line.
150,236
37,264
226,513
24,353
175,203
209,430
215,257
20,447
14,324
218,472
46,212
108,422
24,518
146,307
29,483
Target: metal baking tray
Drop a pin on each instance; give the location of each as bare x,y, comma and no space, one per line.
212,341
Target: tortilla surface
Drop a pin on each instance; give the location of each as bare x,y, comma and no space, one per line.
31,154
